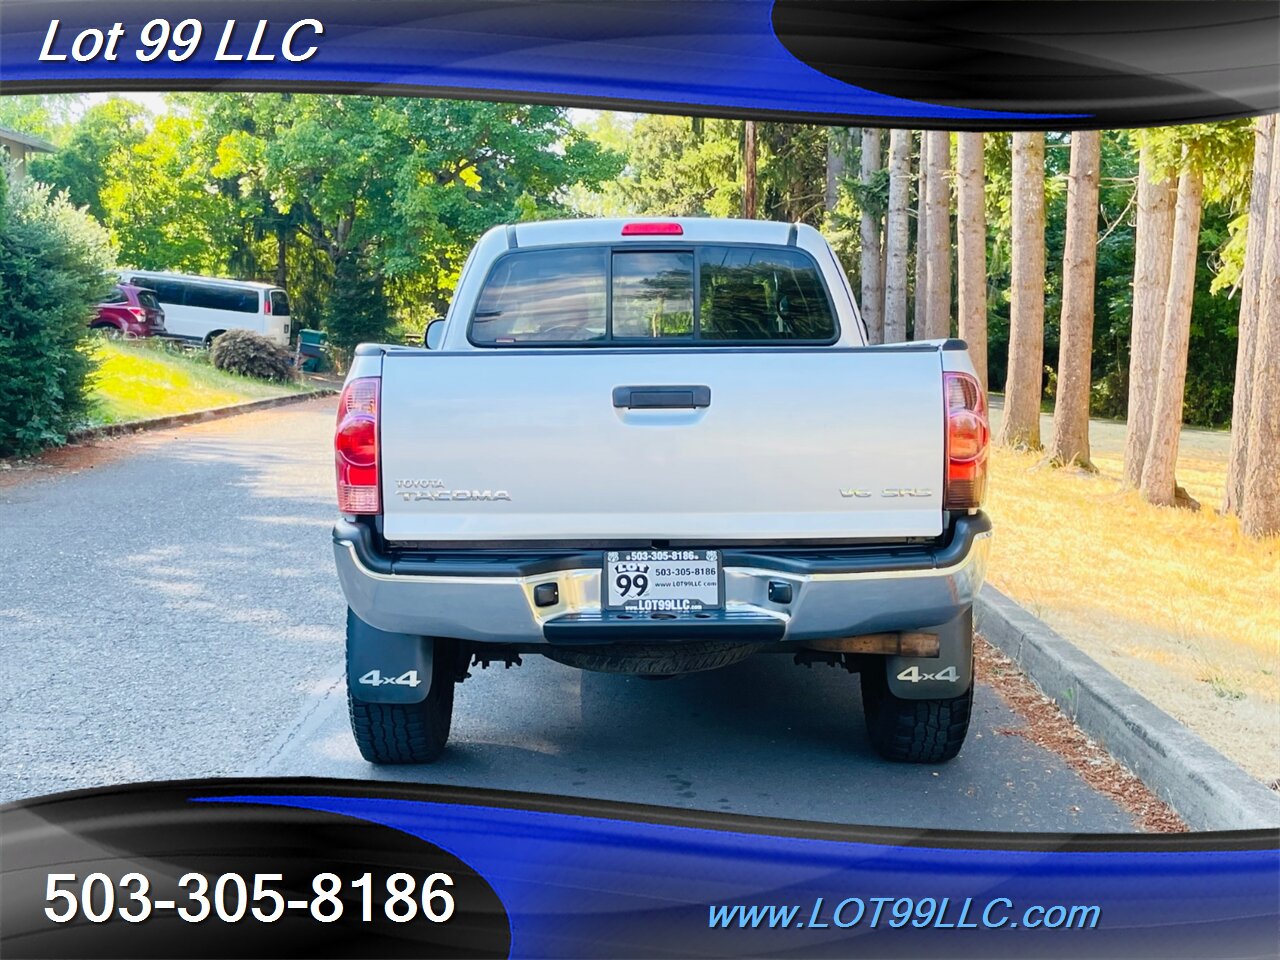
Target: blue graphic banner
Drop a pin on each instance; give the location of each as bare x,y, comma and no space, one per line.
342,868
992,65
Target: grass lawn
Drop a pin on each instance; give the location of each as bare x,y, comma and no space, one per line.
1180,605
137,380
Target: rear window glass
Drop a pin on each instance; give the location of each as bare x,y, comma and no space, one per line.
762,293
652,294
544,295
222,298
279,303
716,293
148,299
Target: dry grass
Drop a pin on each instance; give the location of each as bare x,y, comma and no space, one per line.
1179,604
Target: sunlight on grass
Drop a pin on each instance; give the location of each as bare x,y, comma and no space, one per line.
138,381
1181,605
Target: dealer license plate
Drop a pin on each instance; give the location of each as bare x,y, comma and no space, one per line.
675,581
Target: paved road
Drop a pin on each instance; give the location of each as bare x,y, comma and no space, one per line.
172,612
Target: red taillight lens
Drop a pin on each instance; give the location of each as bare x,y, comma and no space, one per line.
968,439
652,230
355,447
137,312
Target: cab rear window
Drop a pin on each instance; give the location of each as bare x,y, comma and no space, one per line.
713,294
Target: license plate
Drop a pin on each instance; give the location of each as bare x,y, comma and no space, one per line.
675,581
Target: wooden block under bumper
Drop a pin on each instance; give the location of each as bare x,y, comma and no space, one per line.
888,644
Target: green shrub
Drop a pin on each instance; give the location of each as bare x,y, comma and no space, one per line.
251,355
54,263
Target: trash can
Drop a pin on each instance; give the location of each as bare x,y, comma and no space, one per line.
311,349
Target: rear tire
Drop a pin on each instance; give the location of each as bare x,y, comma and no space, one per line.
913,731
409,732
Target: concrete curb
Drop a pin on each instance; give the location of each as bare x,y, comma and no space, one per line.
1209,791
196,416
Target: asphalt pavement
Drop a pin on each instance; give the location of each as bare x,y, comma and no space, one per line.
168,609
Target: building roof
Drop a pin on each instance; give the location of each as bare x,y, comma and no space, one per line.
34,143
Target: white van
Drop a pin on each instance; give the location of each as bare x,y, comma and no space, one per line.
200,308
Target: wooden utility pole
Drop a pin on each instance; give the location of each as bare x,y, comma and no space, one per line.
749,185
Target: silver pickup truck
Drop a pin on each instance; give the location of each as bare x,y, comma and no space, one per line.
657,447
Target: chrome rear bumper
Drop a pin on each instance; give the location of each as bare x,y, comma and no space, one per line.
834,593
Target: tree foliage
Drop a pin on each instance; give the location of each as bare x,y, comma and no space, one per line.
364,207
53,263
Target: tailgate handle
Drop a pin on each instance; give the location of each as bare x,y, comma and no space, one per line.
661,398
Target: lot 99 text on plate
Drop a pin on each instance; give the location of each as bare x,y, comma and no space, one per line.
182,40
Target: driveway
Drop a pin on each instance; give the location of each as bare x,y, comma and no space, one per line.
169,610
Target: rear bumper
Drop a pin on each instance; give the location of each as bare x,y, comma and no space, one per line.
836,592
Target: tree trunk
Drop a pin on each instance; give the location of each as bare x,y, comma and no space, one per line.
896,236
749,185
919,321
1260,506
938,272
971,248
282,256
1021,424
1157,484
1070,442
872,288
837,141
1247,335
1152,251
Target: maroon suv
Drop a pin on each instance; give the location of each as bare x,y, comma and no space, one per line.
130,311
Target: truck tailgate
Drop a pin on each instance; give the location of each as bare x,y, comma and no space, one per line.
793,444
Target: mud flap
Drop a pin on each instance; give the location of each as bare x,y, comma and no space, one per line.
387,667
947,675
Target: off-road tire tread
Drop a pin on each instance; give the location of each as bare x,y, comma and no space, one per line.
654,660
913,731
399,732
408,732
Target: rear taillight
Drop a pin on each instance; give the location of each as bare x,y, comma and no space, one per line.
137,312
968,439
355,447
